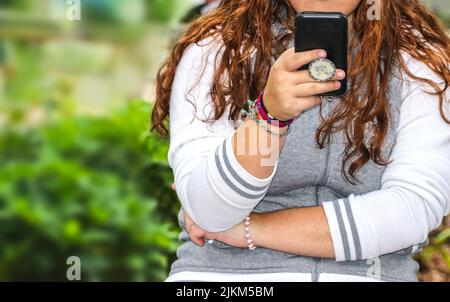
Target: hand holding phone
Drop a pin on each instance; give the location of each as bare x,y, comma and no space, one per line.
324,30
290,88
289,91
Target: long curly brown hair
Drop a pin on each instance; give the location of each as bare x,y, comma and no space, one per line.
246,25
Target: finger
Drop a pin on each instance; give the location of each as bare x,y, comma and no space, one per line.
299,77
287,52
293,61
197,235
197,240
197,231
312,89
309,102
211,236
174,187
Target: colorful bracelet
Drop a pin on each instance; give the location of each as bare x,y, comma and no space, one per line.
254,115
250,243
266,115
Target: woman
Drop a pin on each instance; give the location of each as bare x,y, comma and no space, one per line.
336,189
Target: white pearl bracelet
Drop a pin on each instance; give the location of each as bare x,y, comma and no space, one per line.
251,245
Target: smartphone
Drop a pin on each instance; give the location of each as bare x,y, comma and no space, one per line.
324,30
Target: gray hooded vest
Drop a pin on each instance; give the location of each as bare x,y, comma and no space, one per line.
307,176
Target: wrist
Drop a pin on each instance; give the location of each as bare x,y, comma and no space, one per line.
267,116
256,228
262,120
264,108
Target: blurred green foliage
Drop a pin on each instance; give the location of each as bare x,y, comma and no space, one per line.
435,258
166,10
16,4
114,11
130,11
94,187
438,246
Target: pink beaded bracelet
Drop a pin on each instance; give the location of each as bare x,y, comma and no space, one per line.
265,115
251,245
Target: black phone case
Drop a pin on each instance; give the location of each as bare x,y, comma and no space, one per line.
324,30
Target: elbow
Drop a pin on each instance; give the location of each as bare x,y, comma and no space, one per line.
422,214
430,212
217,217
219,193
423,203
433,216
207,208
214,213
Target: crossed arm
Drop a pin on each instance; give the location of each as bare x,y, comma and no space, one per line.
217,190
279,231
414,197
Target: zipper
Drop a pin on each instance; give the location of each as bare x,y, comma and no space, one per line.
323,180
315,270
326,171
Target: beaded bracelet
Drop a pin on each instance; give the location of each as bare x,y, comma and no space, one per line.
254,115
251,245
266,115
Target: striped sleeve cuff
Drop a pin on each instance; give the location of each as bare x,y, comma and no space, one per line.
344,231
230,180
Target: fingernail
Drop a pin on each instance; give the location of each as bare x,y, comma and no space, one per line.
341,74
322,53
337,84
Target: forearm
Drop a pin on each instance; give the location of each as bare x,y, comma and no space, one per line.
256,150
299,231
238,173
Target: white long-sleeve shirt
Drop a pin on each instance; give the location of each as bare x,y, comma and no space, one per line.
217,192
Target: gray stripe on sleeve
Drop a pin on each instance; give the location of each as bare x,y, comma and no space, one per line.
355,234
232,185
235,175
340,220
